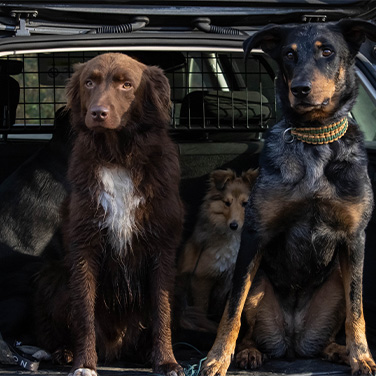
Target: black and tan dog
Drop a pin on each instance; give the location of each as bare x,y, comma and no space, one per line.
299,270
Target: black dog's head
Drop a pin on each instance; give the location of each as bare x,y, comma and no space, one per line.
316,82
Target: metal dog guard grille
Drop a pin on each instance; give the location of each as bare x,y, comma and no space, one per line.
209,91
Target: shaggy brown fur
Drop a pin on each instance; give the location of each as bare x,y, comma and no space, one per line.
207,263
124,219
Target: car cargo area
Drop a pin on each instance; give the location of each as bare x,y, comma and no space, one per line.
222,107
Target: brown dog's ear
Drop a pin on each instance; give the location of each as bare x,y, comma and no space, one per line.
219,178
250,176
355,32
269,39
157,94
72,90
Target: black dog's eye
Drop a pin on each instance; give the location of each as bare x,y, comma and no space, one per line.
327,52
290,55
127,85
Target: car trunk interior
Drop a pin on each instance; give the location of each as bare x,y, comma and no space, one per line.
221,109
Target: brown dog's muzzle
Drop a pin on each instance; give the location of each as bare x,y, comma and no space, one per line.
99,113
101,117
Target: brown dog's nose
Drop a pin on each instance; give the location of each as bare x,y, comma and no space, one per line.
301,89
99,113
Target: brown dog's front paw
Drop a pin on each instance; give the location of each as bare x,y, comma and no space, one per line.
83,372
363,366
170,369
214,367
249,358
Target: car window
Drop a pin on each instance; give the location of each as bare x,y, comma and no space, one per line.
364,110
209,90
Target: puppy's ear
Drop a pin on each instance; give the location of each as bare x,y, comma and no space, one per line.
219,178
72,90
157,95
250,176
355,32
269,39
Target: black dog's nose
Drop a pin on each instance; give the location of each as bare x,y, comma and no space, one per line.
234,225
301,89
99,112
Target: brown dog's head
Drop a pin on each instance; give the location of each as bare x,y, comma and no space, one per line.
316,65
113,91
226,198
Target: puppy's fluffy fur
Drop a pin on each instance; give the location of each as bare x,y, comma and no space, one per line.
207,262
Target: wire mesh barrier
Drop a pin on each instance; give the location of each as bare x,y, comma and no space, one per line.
209,90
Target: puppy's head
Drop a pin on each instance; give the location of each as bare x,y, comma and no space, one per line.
226,198
113,91
316,64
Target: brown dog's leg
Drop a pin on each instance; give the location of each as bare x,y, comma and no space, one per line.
82,284
219,357
351,260
83,288
163,358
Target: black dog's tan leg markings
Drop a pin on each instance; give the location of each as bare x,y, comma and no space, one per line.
336,353
247,354
319,321
219,357
360,358
333,351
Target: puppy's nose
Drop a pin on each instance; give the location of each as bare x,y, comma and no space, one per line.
99,112
234,226
301,89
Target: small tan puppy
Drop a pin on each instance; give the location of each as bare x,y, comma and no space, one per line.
207,263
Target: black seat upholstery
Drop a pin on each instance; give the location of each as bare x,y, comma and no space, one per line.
10,91
224,109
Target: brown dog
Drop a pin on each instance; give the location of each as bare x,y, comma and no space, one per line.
298,275
124,217
207,263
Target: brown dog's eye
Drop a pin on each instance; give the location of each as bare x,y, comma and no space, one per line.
227,203
327,52
89,83
127,85
244,204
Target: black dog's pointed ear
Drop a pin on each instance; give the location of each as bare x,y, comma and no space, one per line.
355,32
269,39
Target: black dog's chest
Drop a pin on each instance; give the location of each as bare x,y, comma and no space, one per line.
308,200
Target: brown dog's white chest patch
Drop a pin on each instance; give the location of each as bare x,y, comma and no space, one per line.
119,201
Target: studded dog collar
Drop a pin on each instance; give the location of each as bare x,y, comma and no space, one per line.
319,135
